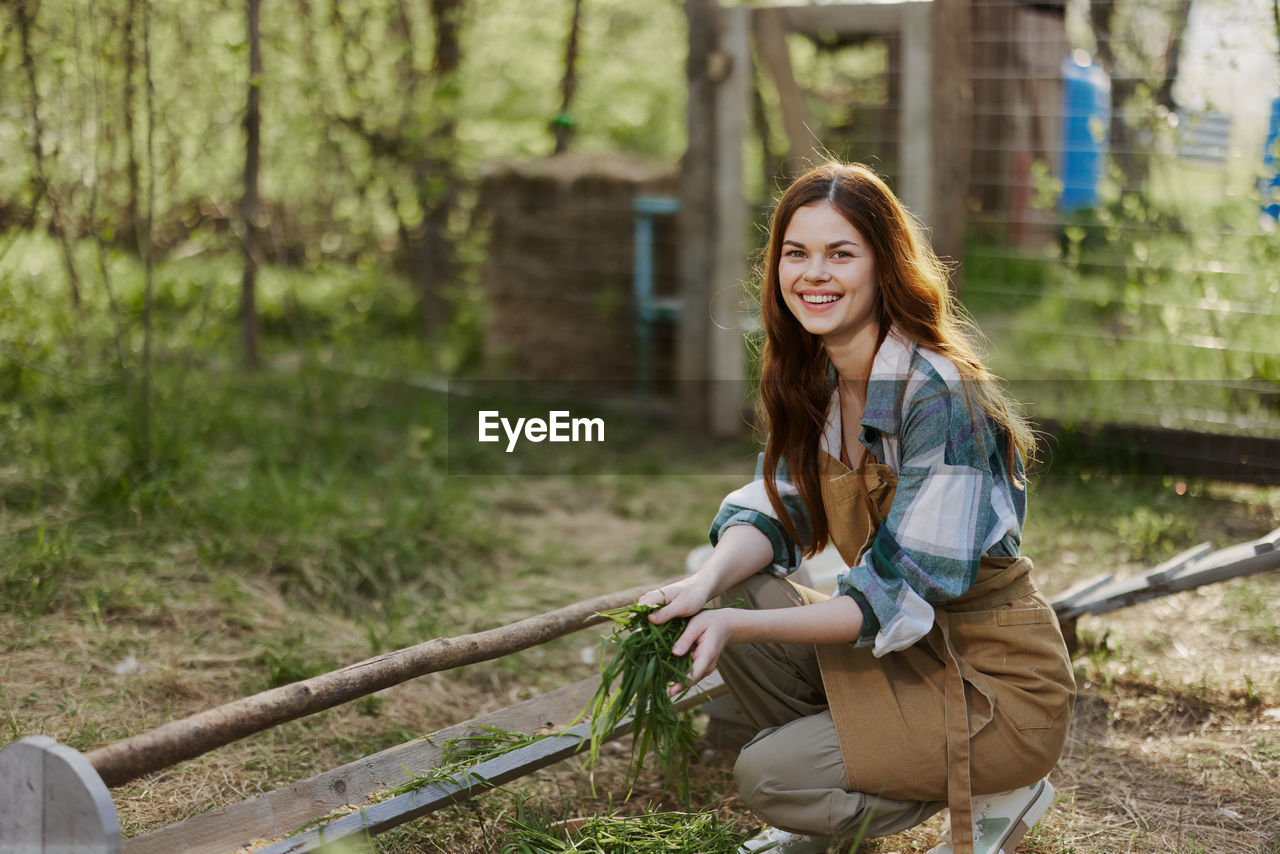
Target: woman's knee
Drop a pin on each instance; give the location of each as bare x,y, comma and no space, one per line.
755,773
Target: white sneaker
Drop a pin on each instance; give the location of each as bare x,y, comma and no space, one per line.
1000,821
784,842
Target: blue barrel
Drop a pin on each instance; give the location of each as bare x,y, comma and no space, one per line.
1270,183
1086,119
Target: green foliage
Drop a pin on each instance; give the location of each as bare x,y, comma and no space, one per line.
459,755
536,832
633,682
354,111
324,471
1156,308
1150,534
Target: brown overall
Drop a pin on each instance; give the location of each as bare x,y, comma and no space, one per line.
980,705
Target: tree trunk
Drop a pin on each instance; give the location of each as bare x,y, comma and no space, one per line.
563,124
26,10
249,202
131,146
143,429
436,172
1128,152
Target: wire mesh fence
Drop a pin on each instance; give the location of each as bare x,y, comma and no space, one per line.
1120,254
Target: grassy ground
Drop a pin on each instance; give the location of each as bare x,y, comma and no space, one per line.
300,518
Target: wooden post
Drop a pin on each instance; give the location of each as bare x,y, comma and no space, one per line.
915,165
729,260
952,112
711,363
696,221
51,800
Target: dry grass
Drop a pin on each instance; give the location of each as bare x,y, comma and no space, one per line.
1174,747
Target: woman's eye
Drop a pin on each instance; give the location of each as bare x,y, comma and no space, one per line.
794,253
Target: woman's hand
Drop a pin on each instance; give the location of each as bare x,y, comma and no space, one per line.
706,636
682,598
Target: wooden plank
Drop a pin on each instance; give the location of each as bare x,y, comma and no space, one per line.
727,356
282,811
79,815
1187,571
395,811
183,739
1136,449
1171,567
845,19
22,793
1063,602
385,815
51,800
771,42
915,137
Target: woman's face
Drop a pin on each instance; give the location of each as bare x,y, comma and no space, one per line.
828,276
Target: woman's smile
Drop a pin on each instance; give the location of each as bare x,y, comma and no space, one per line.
827,275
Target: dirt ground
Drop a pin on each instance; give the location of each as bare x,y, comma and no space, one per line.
1175,745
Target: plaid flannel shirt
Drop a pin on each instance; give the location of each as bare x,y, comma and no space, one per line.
955,499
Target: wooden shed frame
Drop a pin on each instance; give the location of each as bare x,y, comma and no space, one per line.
714,220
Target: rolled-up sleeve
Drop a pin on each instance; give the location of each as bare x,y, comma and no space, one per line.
750,505
927,550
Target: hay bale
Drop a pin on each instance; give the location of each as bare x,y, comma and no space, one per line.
559,268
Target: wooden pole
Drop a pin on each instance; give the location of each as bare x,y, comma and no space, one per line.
915,140
951,106
190,737
727,357
696,219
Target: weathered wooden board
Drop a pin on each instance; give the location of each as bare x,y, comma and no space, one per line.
915,121
1193,568
281,812
400,809
725,321
51,800
384,815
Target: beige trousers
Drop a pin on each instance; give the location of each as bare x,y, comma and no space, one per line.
792,774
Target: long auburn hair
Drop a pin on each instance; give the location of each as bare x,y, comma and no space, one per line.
915,299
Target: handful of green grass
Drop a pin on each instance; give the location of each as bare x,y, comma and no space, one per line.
633,681
647,833
459,755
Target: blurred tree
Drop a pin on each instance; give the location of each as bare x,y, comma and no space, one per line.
414,129
1139,45
562,126
25,12
129,57
249,201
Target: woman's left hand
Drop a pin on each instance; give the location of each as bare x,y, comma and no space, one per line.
706,636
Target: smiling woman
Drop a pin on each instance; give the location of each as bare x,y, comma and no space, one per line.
887,438
827,276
